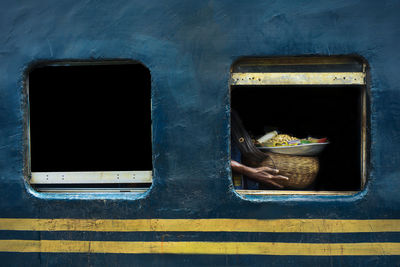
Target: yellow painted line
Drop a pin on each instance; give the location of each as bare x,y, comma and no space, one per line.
203,225
216,248
298,78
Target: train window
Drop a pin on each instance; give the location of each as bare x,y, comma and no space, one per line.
308,117
89,127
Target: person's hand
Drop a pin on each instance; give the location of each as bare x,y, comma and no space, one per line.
266,174
260,174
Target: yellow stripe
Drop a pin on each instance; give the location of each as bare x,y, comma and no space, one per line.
203,225
233,248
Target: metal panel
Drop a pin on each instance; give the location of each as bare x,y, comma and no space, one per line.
298,78
91,177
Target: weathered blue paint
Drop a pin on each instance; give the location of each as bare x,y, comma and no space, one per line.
189,47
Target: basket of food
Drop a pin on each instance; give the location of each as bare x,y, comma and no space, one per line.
293,157
301,170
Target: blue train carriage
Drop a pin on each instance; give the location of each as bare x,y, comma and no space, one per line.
116,132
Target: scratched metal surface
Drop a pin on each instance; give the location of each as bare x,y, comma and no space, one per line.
189,47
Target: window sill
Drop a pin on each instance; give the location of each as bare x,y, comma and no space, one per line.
294,192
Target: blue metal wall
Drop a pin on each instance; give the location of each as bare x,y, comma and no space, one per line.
189,47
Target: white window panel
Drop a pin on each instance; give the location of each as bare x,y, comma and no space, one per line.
108,177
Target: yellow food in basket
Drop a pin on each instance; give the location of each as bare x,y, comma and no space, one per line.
280,140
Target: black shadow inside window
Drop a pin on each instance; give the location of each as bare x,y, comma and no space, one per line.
90,118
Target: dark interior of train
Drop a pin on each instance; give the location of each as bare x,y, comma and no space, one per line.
90,118
303,111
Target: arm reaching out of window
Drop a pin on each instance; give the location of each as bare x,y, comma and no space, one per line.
260,174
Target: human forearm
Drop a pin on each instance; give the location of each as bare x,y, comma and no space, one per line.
240,168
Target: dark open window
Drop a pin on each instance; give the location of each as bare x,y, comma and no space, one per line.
308,97
90,126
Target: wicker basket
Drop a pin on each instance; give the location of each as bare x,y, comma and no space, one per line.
300,170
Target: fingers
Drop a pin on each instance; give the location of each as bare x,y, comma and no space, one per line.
272,179
275,184
268,169
277,177
270,173
280,177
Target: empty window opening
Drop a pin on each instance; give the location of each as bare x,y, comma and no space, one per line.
305,97
90,127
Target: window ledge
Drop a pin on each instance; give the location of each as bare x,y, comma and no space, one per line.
294,192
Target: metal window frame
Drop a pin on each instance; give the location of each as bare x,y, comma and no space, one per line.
84,178
309,78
